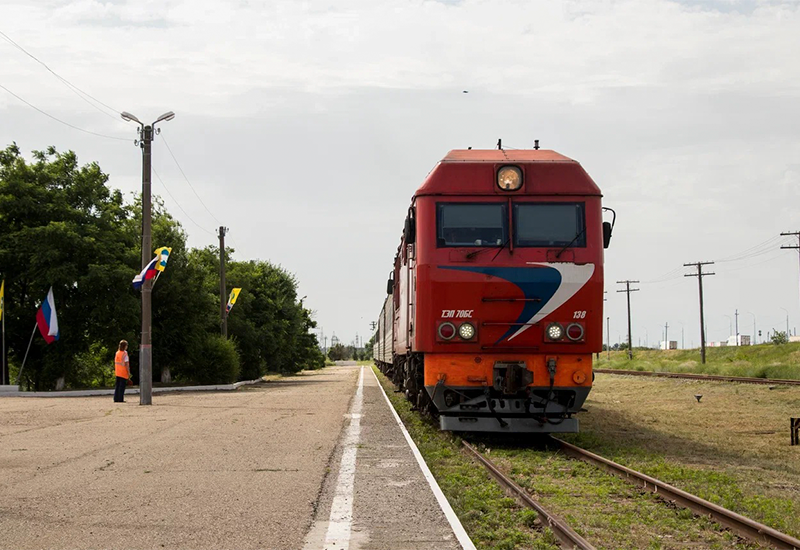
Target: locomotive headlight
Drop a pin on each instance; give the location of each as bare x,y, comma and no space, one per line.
466,331
555,331
509,178
447,331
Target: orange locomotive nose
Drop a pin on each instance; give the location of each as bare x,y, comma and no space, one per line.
464,370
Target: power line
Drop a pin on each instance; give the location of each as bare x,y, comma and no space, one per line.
77,91
756,250
59,120
179,205
187,179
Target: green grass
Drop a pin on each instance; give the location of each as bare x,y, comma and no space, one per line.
762,361
491,519
608,511
731,449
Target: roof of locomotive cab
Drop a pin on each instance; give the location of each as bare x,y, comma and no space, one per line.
502,155
472,172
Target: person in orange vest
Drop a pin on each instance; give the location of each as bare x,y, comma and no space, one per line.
122,369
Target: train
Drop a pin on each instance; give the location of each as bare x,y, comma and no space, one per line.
494,304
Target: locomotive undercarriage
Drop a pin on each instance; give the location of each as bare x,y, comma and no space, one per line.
509,405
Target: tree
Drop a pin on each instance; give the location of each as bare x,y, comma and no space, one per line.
61,226
779,338
339,352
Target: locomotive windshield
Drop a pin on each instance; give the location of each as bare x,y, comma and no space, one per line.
464,224
549,224
535,224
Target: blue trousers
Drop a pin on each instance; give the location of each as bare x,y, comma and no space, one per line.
119,389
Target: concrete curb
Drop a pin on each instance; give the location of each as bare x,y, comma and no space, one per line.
14,390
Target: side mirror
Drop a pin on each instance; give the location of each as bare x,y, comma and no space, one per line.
606,234
410,230
389,286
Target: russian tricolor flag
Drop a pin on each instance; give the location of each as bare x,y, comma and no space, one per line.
149,272
46,318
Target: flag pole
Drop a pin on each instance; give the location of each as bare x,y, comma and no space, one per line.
19,376
5,363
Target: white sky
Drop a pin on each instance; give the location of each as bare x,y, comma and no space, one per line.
306,127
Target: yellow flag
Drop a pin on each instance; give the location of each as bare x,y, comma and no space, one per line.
2,298
163,252
232,298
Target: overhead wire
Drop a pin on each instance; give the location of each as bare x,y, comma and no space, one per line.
32,106
86,97
187,179
73,88
755,250
179,204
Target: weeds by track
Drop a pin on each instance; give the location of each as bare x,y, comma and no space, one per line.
743,526
565,534
569,538
703,377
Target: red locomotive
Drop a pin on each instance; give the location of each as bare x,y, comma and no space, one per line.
495,302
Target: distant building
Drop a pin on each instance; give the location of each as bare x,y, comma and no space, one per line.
744,340
672,344
717,344
794,338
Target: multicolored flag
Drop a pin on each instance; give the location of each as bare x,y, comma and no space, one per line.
232,298
2,298
163,254
46,318
149,272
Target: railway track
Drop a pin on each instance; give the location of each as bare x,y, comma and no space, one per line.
743,526
712,377
565,534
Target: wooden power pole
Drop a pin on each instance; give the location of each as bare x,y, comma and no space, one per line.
628,291
700,275
223,302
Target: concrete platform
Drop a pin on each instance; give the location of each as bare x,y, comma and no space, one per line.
254,468
380,495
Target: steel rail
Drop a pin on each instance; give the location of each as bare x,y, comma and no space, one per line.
712,377
739,524
561,529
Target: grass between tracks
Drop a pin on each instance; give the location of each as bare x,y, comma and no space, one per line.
761,361
732,448
491,518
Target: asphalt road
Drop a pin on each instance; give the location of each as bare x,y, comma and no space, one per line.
237,470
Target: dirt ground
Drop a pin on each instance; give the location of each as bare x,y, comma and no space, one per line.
203,470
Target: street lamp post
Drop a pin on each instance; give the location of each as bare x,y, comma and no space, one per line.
787,322
755,334
145,344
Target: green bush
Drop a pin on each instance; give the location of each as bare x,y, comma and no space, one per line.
215,361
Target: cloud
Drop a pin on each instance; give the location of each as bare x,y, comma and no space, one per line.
308,126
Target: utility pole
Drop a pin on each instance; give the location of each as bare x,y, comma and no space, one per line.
736,315
223,314
145,345
608,338
628,291
700,275
795,234
666,335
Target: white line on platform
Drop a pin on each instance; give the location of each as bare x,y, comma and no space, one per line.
341,520
455,523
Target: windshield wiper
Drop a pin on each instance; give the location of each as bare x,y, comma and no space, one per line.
581,232
474,253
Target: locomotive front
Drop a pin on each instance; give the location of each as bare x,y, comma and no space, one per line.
497,294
